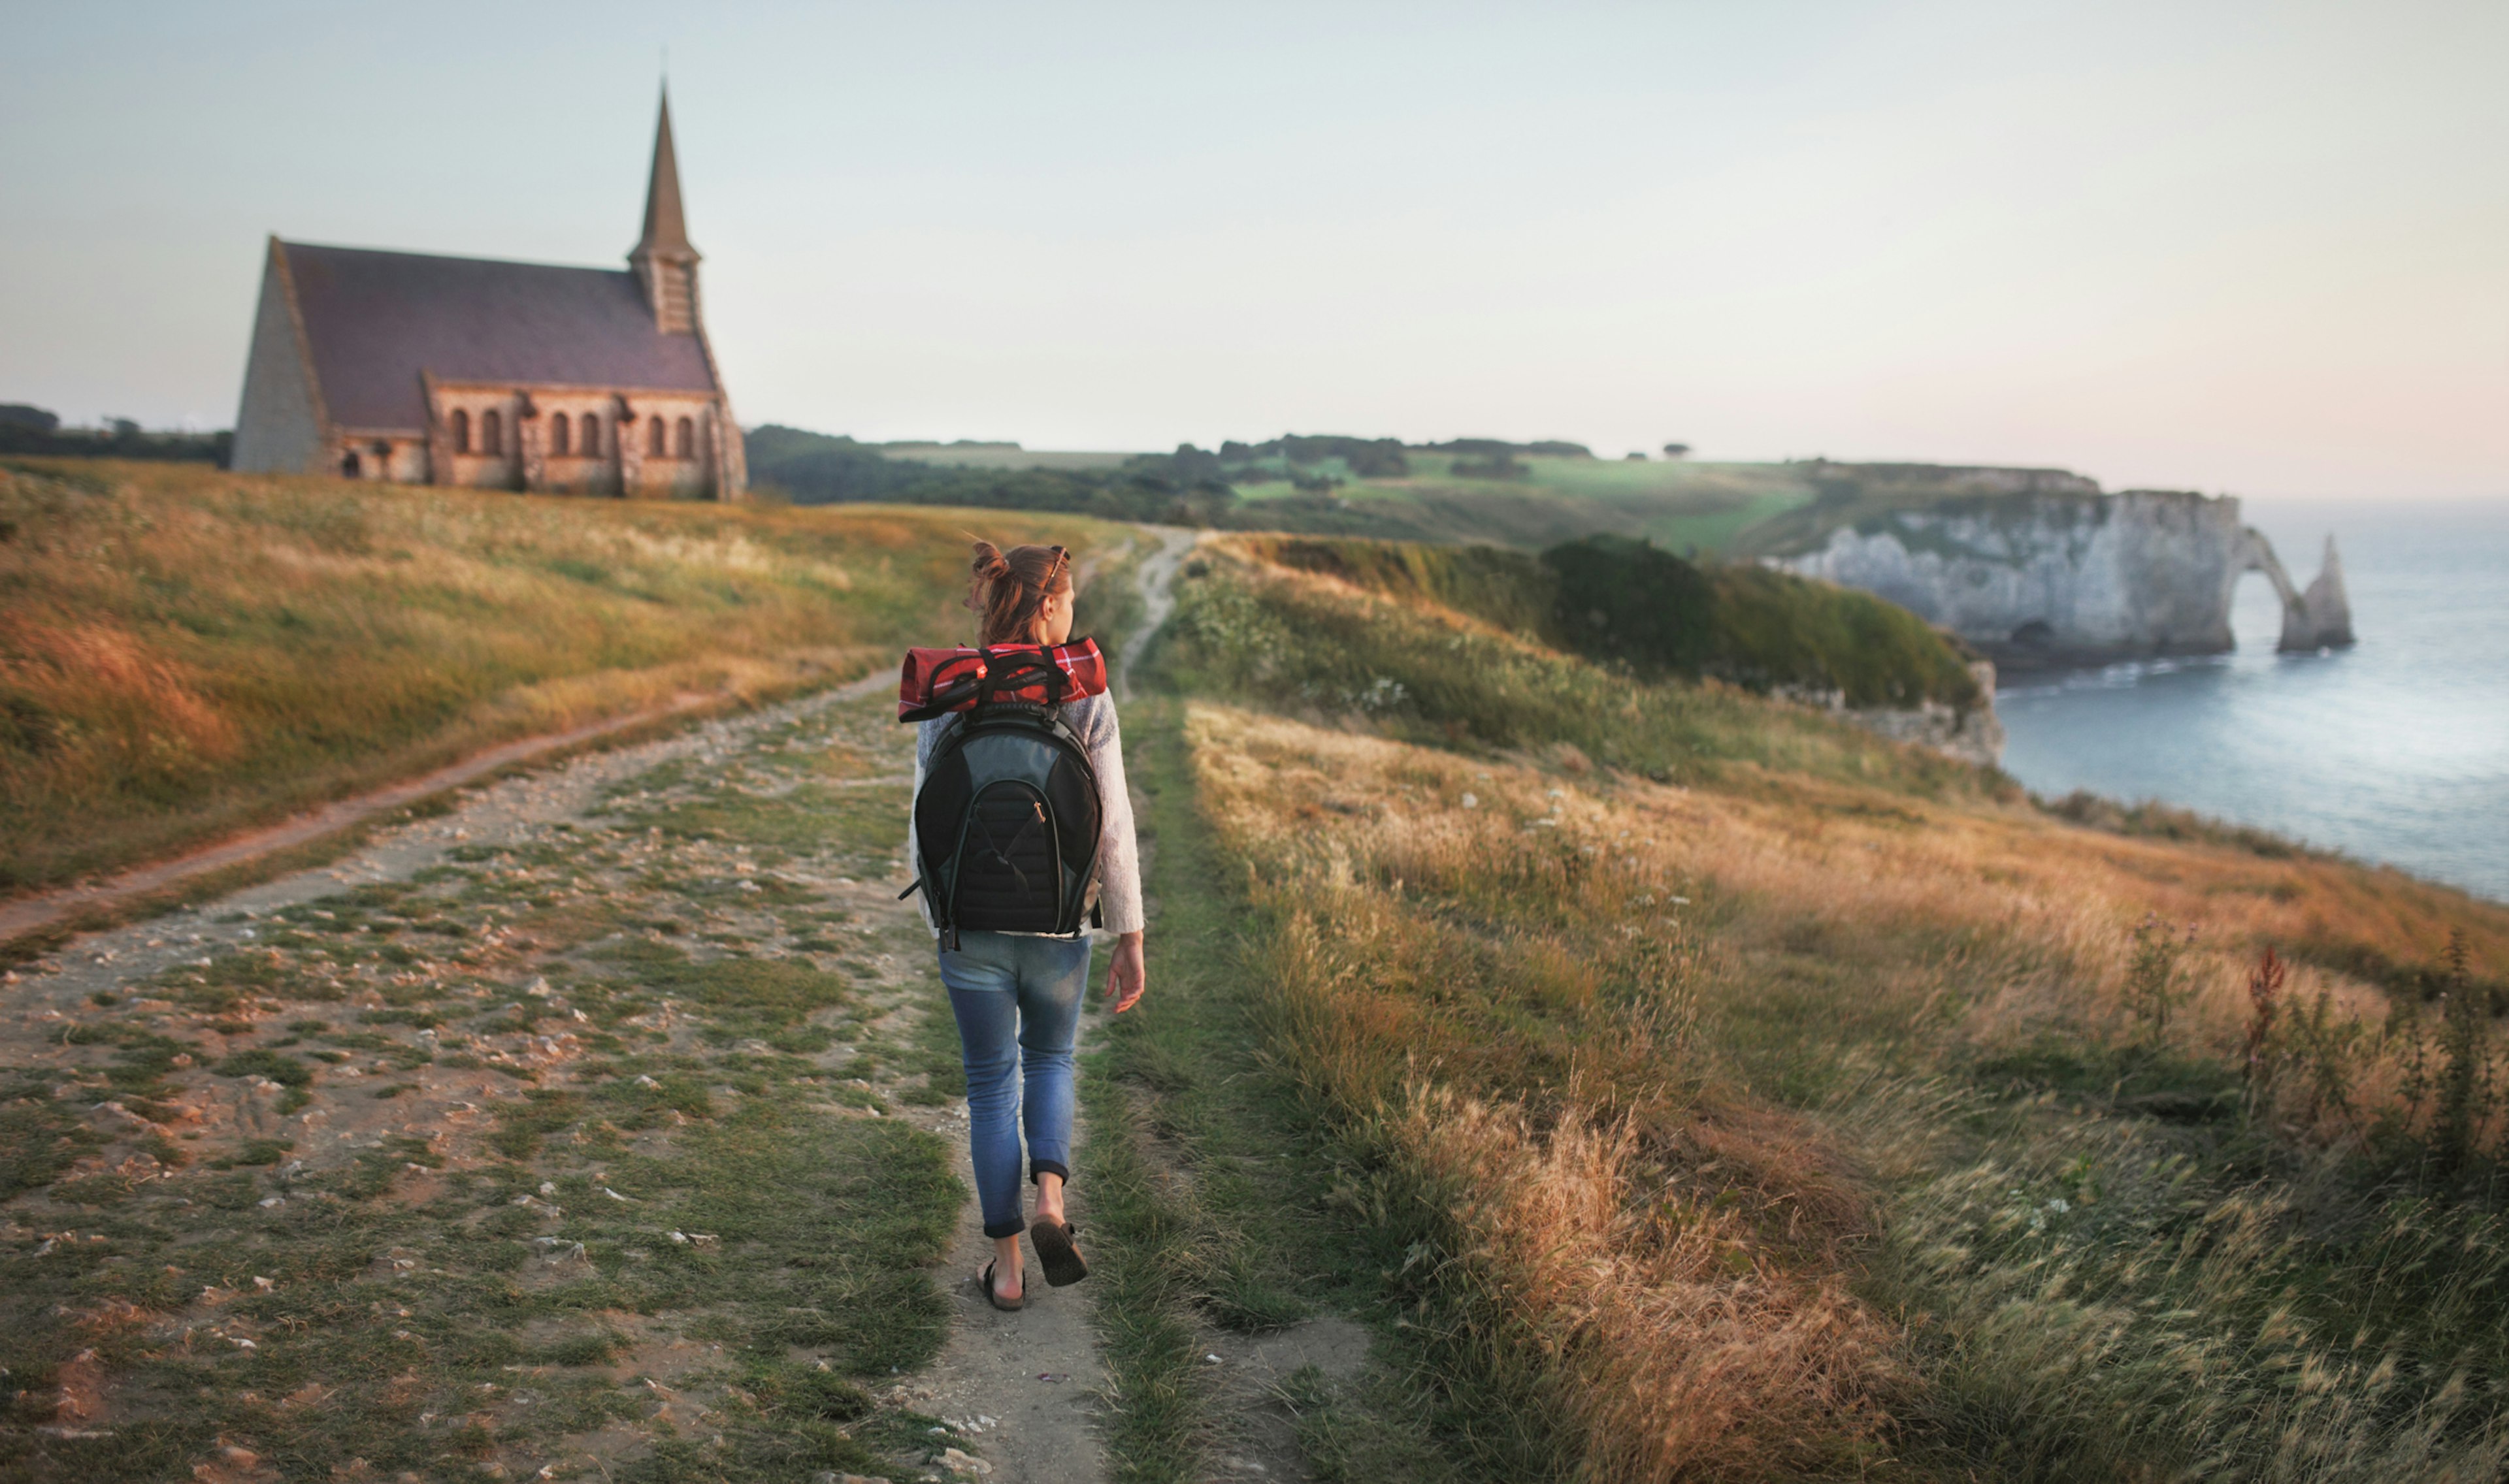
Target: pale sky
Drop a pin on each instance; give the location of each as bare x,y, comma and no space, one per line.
2261,248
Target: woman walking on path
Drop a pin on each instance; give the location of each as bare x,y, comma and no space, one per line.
1016,996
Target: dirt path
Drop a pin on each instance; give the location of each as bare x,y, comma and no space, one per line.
1156,580
34,915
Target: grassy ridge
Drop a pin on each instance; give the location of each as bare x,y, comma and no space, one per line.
1631,603
1373,488
1290,638
184,652
1833,1135
1818,1117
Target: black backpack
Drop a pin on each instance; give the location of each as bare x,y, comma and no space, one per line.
1006,821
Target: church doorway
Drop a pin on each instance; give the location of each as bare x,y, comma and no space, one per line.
351,466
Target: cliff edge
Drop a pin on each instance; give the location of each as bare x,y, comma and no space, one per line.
2043,577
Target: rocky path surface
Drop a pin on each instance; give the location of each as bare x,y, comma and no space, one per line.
48,909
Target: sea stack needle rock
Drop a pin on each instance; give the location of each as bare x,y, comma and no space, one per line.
420,369
2059,573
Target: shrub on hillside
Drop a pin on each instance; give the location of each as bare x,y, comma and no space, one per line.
1633,604
1629,601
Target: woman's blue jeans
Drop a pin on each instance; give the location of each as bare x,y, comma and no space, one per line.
1017,1000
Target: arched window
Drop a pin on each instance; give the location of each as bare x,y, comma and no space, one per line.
591,439
350,467
461,431
653,439
557,433
492,434
688,439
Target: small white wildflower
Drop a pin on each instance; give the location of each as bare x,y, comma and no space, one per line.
1471,801
2059,1205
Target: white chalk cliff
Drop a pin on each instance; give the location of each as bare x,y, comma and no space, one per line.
2069,578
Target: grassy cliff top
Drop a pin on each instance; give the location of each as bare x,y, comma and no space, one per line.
1629,603
1470,491
185,651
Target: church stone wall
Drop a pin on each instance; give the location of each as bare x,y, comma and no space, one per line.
279,427
623,461
668,475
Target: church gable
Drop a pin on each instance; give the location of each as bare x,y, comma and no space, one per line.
281,424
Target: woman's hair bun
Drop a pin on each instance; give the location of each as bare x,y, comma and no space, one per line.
1010,587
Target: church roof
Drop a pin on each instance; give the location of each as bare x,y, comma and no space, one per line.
374,320
666,225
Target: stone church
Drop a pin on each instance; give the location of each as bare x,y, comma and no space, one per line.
510,376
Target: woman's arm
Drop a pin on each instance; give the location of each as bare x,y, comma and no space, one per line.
1119,859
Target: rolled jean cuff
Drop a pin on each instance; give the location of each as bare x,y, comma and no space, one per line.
1037,1168
1015,1227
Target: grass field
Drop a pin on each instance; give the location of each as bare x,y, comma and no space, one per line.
1797,1117
184,652
999,456
1677,505
1675,1083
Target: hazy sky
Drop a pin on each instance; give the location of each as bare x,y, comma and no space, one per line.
2254,248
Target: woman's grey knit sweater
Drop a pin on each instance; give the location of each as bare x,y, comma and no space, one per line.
1117,885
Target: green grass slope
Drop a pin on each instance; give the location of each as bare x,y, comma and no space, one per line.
1630,603
1769,1105
185,651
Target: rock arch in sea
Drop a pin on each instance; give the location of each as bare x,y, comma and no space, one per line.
2041,577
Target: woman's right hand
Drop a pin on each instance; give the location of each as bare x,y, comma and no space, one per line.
1125,977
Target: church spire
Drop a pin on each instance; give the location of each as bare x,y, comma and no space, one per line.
665,262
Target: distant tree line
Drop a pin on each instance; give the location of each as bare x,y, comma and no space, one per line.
25,429
816,469
1191,485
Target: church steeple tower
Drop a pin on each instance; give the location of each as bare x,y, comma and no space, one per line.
665,262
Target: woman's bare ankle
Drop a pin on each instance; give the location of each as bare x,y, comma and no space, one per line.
1009,1267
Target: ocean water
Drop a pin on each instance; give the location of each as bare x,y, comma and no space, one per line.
2395,750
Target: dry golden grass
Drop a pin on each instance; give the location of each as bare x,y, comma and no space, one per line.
1679,1071
184,652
